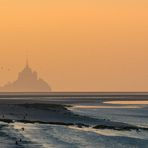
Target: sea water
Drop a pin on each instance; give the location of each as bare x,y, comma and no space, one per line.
49,136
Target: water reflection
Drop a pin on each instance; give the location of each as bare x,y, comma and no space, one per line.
99,106
127,102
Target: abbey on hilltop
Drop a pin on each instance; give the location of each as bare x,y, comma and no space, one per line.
27,81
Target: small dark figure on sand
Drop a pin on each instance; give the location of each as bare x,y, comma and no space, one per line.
137,130
16,143
23,129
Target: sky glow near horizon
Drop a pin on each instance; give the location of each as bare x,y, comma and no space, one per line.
76,45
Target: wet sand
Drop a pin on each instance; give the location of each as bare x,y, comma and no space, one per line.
42,111
54,114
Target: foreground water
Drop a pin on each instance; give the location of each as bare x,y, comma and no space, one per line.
47,136
52,136
132,113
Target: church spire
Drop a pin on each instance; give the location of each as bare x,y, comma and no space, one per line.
27,61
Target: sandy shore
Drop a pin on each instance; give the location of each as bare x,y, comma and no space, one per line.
45,113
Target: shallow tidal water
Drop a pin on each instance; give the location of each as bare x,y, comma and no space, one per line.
53,136
49,136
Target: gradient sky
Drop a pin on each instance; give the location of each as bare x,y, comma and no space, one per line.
79,45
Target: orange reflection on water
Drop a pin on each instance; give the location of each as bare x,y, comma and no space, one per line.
95,107
127,102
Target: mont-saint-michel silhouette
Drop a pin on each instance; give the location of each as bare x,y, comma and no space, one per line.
27,81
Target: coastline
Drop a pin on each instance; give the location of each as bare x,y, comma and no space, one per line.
54,114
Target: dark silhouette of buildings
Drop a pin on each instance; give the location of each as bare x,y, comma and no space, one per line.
27,81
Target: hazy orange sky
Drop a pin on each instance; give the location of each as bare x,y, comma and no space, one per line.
79,45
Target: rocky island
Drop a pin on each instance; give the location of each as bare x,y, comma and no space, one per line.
27,81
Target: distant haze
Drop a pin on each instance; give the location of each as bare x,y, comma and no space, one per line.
76,45
27,81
